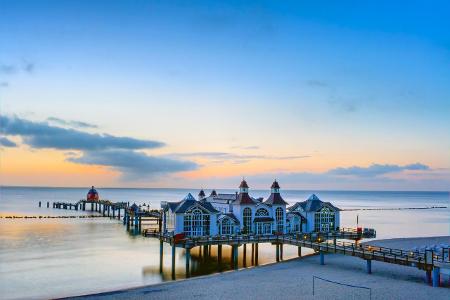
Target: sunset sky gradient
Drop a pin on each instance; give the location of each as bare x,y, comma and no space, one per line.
325,95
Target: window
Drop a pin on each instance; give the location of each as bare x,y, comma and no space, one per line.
247,218
262,212
324,220
196,223
279,218
226,227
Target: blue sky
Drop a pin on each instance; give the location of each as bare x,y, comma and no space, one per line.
331,85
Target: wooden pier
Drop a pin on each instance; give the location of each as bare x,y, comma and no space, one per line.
322,243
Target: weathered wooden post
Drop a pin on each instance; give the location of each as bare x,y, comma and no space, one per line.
39,203
118,215
140,223
109,210
281,251
114,213
299,251
277,252
256,254
436,276
161,255
173,261
219,255
205,251
244,258
253,254
234,252
369,266
188,258
48,204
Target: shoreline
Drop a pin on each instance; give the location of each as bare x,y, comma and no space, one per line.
348,270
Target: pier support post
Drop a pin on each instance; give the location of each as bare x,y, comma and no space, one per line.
299,251
244,258
114,213
219,256
369,266
109,210
281,251
173,261
253,254
161,256
322,258
235,256
118,214
39,203
277,255
428,277
136,222
256,253
48,204
140,223
188,259
205,252
436,276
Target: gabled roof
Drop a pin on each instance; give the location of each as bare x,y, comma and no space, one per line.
201,193
213,193
313,204
275,198
188,202
296,213
230,216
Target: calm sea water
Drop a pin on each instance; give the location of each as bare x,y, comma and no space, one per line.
45,258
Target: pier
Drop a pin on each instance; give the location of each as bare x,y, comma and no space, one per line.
345,241
321,243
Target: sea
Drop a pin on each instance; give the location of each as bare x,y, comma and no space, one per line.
60,257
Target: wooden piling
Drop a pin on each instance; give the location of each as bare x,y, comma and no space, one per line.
173,261
281,251
299,251
256,254
244,258
188,259
277,252
161,255
219,255
39,203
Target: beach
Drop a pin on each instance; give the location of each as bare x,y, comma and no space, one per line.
293,279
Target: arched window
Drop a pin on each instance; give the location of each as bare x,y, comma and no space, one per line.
247,219
226,227
262,212
279,218
324,220
196,223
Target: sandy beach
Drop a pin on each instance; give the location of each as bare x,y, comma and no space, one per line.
294,279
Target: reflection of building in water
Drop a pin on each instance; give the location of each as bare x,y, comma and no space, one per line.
239,213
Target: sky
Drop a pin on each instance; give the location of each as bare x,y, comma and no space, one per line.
318,94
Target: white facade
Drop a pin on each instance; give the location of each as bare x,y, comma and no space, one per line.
228,214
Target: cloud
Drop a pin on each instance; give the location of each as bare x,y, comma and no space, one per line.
25,66
132,164
7,69
43,135
375,170
317,83
71,123
4,84
246,147
219,157
6,142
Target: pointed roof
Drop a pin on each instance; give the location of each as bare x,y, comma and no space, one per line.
244,198
213,193
201,194
243,184
313,204
275,185
275,197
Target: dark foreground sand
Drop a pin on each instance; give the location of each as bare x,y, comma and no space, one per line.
294,280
